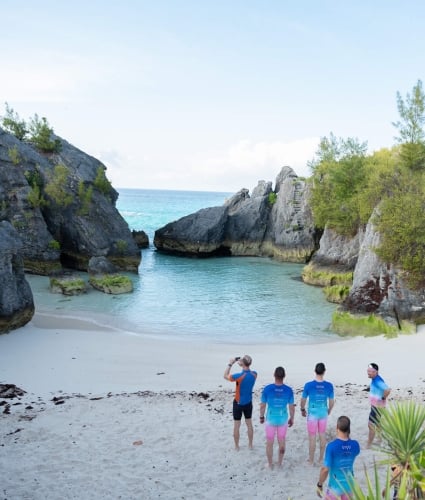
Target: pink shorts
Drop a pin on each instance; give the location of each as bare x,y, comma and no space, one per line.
276,430
315,426
331,496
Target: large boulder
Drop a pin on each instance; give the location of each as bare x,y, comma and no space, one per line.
268,223
16,299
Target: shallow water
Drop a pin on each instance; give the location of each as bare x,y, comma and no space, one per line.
228,299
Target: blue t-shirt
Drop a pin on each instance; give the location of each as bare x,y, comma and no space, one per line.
277,398
339,458
244,383
318,392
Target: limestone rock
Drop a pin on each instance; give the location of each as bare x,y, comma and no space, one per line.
63,207
16,299
268,223
381,288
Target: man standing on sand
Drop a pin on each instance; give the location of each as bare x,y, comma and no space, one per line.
338,463
242,403
378,394
320,396
277,398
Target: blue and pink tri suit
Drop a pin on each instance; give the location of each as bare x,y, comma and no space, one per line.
318,393
377,389
277,398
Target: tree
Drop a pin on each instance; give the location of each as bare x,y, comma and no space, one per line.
411,127
339,176
41,135
13,124
334,148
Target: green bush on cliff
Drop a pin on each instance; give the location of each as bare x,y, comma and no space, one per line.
85,196
14,155
41,135
272,198
101,183
13,124
55,187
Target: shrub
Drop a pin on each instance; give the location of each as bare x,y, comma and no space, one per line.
41,135
54,245
121,246
55,187
85,197
101,183
13,124
14,155
272,198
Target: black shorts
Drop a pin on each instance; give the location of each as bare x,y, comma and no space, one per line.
374,415
239,410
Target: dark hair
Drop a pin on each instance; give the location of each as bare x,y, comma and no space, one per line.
343,424
374,366
320,368
280,373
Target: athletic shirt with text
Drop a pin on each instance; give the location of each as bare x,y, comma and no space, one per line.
277,398
339,458
318,392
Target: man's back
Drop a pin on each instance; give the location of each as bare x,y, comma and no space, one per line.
318,392
339,458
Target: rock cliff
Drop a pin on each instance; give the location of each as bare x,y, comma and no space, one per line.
276,223
381,288
63,207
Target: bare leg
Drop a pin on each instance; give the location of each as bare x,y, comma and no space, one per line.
281,452
236,433
311,448
248,422
269,453
322,442
371,435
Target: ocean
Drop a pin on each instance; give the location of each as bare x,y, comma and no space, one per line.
223,299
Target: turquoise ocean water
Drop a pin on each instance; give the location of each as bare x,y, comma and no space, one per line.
230,299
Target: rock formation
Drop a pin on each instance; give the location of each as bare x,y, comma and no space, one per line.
381,288
63,207
270,223
16,300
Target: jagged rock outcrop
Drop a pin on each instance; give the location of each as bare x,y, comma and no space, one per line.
141,238
271,223
63,207
381,288
16,299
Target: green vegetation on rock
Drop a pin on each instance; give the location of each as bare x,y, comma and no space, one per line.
347,185
336,293
326,276
346,324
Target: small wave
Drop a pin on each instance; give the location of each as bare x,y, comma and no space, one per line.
128,213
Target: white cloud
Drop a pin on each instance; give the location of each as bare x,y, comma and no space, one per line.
248,161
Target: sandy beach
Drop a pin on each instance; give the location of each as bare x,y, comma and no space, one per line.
110,414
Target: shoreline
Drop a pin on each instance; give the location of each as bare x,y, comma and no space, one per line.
53,353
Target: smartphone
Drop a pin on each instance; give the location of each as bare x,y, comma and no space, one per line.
237,358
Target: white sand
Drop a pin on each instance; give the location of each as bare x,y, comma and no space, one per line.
119,389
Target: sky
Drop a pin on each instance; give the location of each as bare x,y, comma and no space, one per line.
210,95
